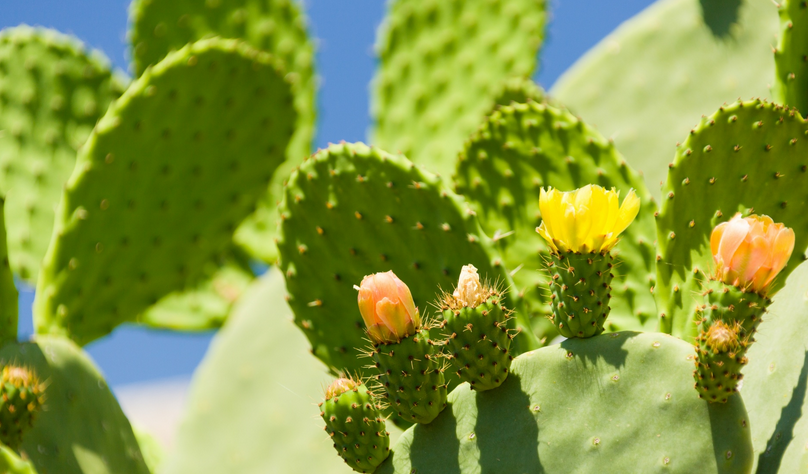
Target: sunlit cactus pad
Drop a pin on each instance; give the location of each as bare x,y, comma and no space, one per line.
81,428
749,157
52,92
791,56
276,26
442,64
615,403
524,147
159,190
11,463
8,292
350,211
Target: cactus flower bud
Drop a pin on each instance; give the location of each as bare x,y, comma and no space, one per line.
721,337
470,291
587,220
387,308
340,386
749,252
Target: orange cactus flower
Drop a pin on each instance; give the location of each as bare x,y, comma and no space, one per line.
387,308
749,252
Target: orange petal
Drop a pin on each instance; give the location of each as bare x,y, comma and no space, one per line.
734,235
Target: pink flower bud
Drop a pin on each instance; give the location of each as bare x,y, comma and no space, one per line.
749,252
387,308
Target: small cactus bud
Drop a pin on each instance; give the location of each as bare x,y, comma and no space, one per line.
469,291
749,252
387,308
340,386
587,220
721,337
21,397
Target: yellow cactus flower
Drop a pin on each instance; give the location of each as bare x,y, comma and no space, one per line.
587,220
749,252
387,308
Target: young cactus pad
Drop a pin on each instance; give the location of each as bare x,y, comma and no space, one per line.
442,63
275,26
791,86
161,185
53,92
8,292
615,403
501,171
352,210
749,157
11,463
21,397
80,410
648,81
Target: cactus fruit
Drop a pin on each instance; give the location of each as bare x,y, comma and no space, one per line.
748,157
620,402
355,424
790,55
475,327
521,148
160,192
21,397
351,210
442,65
53,92
278,27
8,292
646,83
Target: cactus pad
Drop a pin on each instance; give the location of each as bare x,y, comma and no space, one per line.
357,428
11,463
8,292
646,83
442,65
411,377
350,211
749,157
276,26
22,394
791,55
178,161
523,147
620,402
82,429
52,93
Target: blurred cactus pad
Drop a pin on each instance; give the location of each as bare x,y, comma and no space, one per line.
152,199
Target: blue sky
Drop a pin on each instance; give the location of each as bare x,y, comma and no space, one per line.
345,31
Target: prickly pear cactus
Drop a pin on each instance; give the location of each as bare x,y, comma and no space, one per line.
749,157
11,463
22,394
82,430
646,83
623,400
158,191
352,210
790,55
8,292
521,148
53,92
276,26
442,65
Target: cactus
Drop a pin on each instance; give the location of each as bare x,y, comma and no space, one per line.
8,292
443,63
275,26
21,397
11,463
789,57
136,143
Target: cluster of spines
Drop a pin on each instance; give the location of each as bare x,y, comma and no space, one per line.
21,398
580,285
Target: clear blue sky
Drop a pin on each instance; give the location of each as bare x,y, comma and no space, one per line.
345,30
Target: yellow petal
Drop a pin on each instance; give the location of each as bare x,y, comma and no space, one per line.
628,211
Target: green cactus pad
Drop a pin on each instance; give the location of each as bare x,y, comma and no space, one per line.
523,147
747,157
478,342
647,83
357,428
411,377
206,304
150,448
81,429
21,396
11,463
620,402
266,408
775,383
8,292
519,90
52,93
276,26
791,55
581,292
178,161
442,65
350,211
